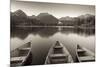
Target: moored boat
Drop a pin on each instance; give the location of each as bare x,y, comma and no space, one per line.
84,55
58,54
21,55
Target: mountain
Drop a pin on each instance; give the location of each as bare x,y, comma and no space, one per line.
85,16
20,13
83,20
47,19
18,18
32,17
21,19
32,20
69,21
87,20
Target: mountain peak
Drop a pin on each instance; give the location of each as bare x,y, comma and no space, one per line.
85,16
66,18
19,13
47,18
44,14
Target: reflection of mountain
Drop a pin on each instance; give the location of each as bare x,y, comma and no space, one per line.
41,31
19,32
82,32
86,32
49,31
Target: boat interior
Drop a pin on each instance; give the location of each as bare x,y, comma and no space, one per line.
84,55
19,55
58,55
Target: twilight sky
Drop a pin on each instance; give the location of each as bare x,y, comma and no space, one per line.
58,10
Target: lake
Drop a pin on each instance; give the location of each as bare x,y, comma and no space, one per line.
43,38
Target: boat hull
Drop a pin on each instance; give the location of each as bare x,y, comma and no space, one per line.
21,55
58,54
84,55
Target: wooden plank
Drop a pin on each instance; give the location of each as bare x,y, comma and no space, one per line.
87,58
57,55
58,61
24,48
58,47
80,50
15,59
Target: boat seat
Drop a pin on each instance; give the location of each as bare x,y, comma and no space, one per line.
23,52
17,59
87,58
24,48
58,47
56,61
80,50
57,56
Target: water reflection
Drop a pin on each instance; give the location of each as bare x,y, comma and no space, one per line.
49,31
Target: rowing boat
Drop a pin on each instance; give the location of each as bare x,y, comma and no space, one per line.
84,55
21,55
58,54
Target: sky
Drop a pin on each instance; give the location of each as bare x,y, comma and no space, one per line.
57,10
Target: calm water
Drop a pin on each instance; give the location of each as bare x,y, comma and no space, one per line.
44,37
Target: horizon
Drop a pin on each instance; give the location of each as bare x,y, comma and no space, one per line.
57,10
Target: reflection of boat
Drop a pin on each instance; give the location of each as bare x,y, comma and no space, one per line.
84,55
21,55
58,54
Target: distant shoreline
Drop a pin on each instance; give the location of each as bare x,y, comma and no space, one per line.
81,27
47,26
